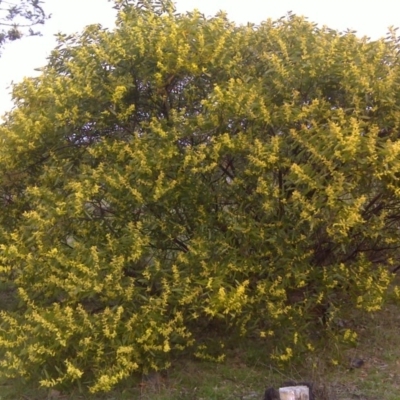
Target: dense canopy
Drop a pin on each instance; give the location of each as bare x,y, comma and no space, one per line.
182,180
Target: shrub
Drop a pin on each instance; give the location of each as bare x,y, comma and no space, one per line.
181,179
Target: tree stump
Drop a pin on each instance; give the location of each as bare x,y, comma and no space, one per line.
294,393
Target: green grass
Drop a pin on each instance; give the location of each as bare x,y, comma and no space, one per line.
247,372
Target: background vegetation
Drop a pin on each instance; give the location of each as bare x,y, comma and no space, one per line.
18,17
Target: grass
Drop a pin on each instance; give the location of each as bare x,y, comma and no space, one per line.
246,372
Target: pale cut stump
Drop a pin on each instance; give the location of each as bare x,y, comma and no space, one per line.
294,393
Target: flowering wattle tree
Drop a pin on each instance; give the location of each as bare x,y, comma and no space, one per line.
182,179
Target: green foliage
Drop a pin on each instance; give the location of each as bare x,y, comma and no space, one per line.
182,179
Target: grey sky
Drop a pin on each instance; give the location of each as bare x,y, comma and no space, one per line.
19,59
